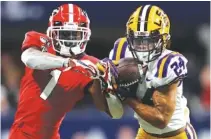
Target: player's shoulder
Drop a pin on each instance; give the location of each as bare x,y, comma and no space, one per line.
120,40
166,60
120,49
36,35
170,66
34,38
170,53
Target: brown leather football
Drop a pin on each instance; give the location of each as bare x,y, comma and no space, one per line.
128,72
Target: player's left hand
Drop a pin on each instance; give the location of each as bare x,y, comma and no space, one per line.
124,92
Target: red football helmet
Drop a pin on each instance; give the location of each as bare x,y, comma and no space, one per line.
69,29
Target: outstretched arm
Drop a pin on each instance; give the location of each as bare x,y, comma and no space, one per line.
159,115
36,59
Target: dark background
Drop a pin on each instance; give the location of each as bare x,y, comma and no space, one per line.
190,31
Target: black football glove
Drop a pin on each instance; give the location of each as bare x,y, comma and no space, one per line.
125,92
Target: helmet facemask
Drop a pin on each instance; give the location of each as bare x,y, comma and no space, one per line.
145,46
69,39
148,33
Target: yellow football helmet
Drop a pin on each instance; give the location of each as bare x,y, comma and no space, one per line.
148,32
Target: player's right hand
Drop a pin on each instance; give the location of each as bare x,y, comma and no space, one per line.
108,76
113,67
101,66
107,73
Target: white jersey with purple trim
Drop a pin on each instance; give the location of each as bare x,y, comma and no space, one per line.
168,68
120,50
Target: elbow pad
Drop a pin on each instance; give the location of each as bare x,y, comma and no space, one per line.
36,59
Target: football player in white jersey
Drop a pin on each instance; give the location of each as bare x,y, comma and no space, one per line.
159,104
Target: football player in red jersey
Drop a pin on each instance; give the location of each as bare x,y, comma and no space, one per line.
57,75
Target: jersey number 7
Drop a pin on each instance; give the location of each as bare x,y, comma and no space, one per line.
51,84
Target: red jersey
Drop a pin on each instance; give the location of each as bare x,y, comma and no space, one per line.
47,95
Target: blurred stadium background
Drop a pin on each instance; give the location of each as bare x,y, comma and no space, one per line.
190,29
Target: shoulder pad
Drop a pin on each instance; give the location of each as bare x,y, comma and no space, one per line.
119,49
33,38
171,67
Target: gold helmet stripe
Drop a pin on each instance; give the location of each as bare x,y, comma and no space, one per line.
143,17
133,21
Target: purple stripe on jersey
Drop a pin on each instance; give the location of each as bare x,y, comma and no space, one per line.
124,47
164,74
192,130
115,49
158,65
165,68
187,133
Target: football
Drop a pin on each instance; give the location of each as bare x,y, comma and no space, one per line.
128,72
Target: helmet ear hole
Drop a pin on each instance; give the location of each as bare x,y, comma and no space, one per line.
83,24
166,41
57,23
155,32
